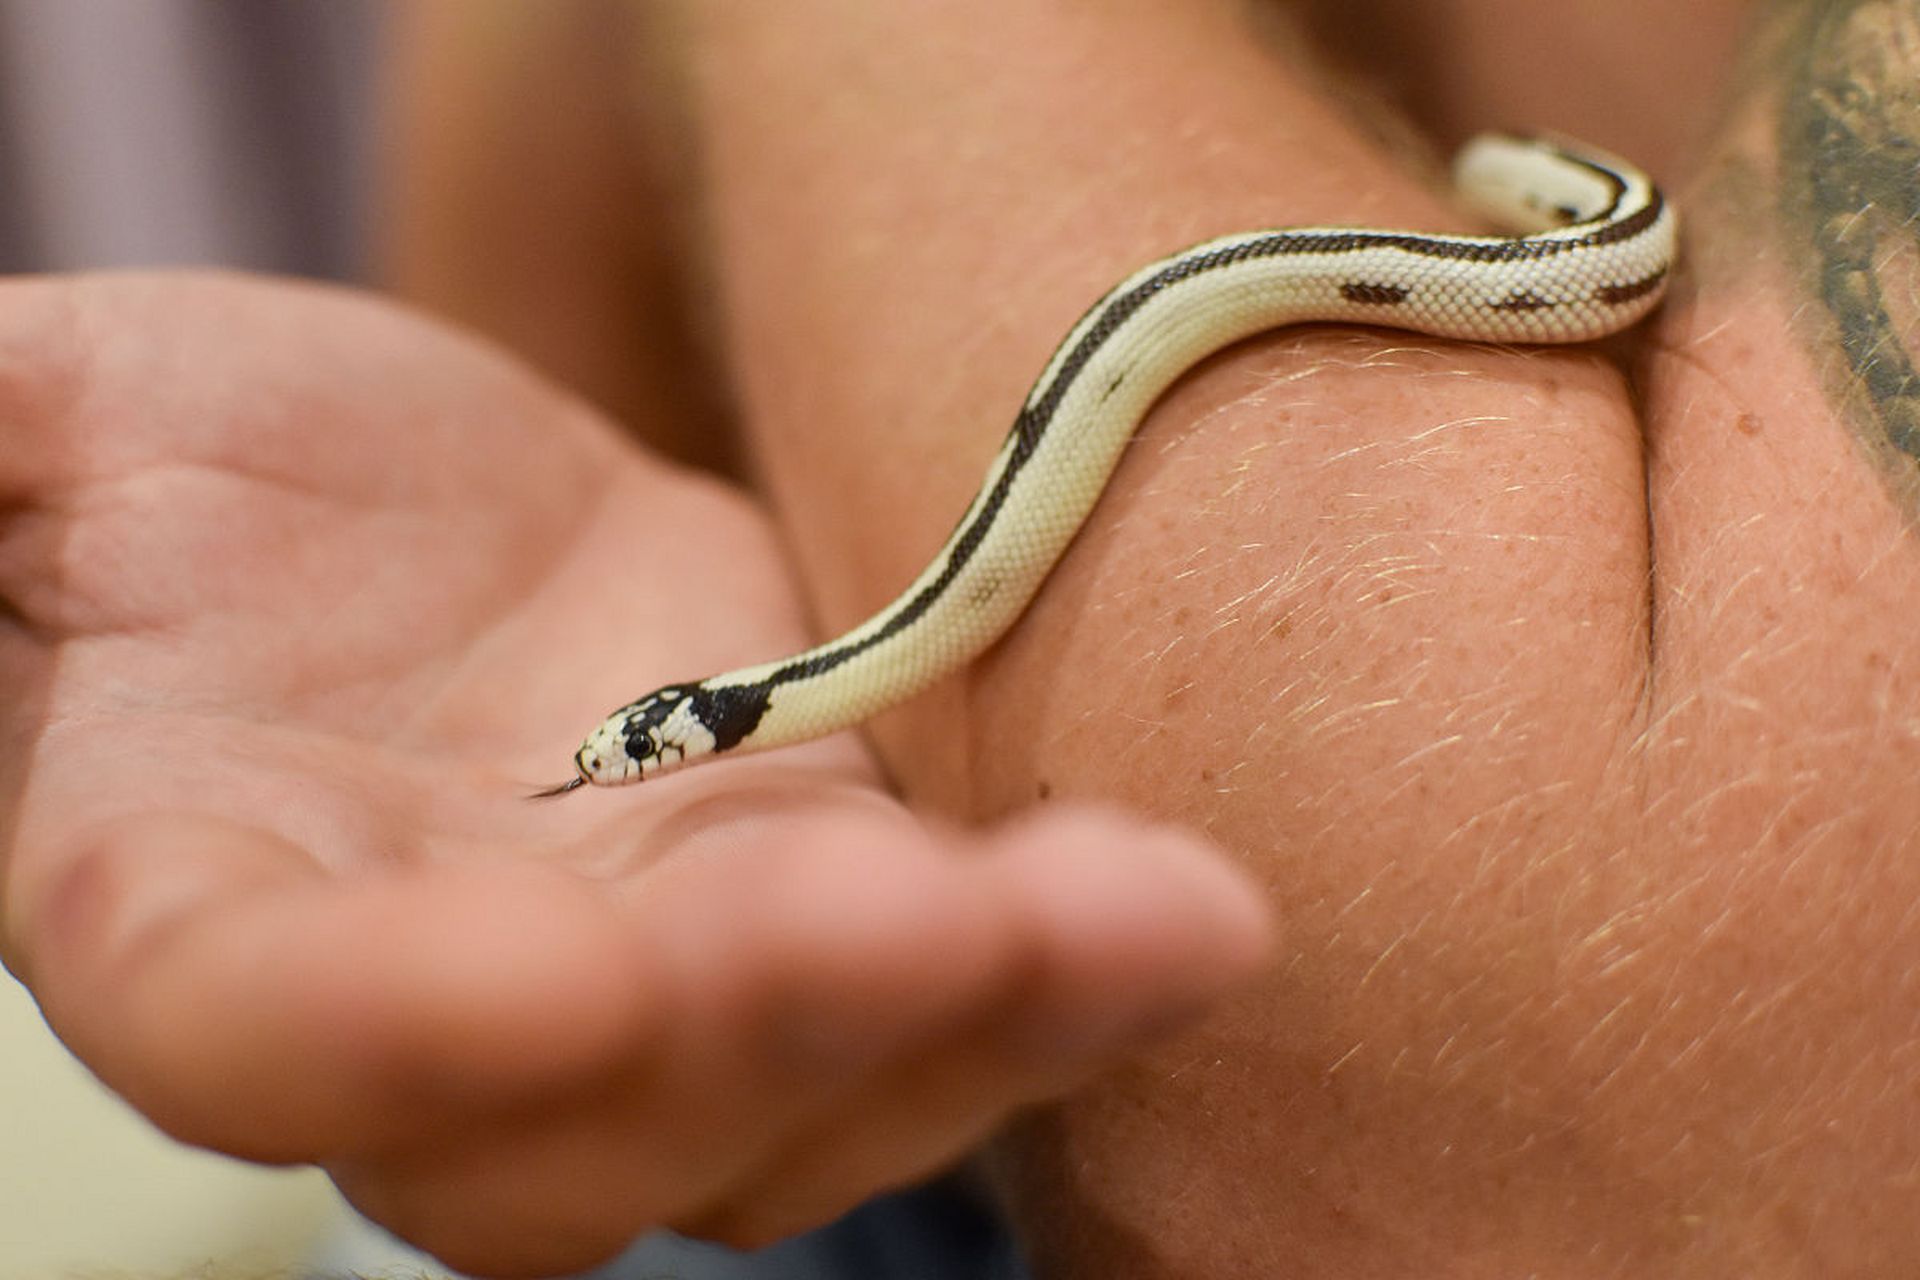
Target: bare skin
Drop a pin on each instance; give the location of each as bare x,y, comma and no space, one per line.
290,629
1562,702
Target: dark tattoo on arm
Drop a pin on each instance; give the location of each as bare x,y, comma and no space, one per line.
1849,134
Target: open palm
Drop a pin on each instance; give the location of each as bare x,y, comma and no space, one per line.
299,596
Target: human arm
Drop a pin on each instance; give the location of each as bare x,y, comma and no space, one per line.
301,596
1559,698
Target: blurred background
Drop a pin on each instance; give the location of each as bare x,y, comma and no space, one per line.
135,133
205,132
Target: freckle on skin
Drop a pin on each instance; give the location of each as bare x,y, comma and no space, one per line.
1748,424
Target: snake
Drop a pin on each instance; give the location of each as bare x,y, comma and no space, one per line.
1588,243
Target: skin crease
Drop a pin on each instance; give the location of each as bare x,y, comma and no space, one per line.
1570,729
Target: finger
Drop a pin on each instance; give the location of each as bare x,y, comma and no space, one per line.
1006,973
244,1000
792,952
1126,931
541,1194
822,977
42,360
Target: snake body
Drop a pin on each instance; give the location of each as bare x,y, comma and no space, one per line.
1593,246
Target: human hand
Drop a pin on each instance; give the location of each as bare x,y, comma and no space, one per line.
300,596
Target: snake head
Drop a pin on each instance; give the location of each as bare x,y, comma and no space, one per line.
669,728
660,732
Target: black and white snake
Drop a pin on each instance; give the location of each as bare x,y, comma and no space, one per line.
1595,245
